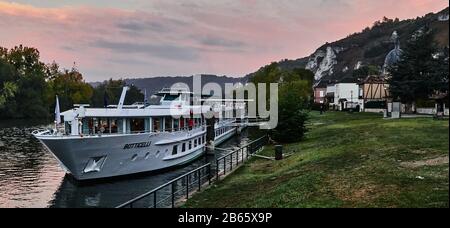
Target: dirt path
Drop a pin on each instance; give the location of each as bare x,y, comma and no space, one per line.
429,162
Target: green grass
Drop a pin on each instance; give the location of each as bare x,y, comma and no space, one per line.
346,160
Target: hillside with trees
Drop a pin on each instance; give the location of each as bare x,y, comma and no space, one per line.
367,49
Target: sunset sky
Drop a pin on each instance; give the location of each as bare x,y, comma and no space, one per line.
144,38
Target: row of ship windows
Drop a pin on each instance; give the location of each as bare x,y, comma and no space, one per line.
196,142
189,145
222,131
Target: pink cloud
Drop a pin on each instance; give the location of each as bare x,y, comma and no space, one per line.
183,38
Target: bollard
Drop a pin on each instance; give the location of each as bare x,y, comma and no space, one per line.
278,152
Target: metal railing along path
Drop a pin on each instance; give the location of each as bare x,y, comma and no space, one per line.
180,188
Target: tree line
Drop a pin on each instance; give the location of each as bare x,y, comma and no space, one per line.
422,73
28,86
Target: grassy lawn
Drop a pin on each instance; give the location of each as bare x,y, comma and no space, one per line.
347,160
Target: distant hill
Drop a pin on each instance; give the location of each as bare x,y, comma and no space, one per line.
154,84
337,60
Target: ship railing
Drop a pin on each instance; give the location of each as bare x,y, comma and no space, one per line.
42,132
181,188
169,130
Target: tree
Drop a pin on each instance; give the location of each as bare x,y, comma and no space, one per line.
292,114
365,71
416,74
28,86
112,89
29,77
295,93
70,88
439,77
8,91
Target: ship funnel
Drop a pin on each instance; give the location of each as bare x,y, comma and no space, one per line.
122,97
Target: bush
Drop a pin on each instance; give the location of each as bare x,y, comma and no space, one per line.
292,114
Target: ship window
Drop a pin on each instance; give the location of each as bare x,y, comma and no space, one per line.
186,123
190,145
176,124
156,124
157,153
137,125
167,123
103,126
134,157
183,147
147,155
113,126
175,150
182,123
169,97
195,143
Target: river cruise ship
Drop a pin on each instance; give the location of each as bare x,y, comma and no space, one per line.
119,140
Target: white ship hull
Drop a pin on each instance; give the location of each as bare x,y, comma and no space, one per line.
117,155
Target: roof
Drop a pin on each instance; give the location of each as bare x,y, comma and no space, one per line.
374,79
348,80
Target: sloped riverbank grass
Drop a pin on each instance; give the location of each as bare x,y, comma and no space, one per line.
346,160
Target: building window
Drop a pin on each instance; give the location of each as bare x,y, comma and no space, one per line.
321,94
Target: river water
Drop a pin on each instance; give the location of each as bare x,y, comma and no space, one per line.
31,177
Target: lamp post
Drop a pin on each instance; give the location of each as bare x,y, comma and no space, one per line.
351,98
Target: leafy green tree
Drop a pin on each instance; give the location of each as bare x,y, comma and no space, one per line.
365,71
417,73
29,77
111,91
439,77
8,91
28,86
292,113
295,93
70,88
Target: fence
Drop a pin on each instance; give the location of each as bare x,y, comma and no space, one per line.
182,187
234,158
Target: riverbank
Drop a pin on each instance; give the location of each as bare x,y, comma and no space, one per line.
347,160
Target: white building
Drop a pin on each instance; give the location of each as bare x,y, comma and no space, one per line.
346,95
